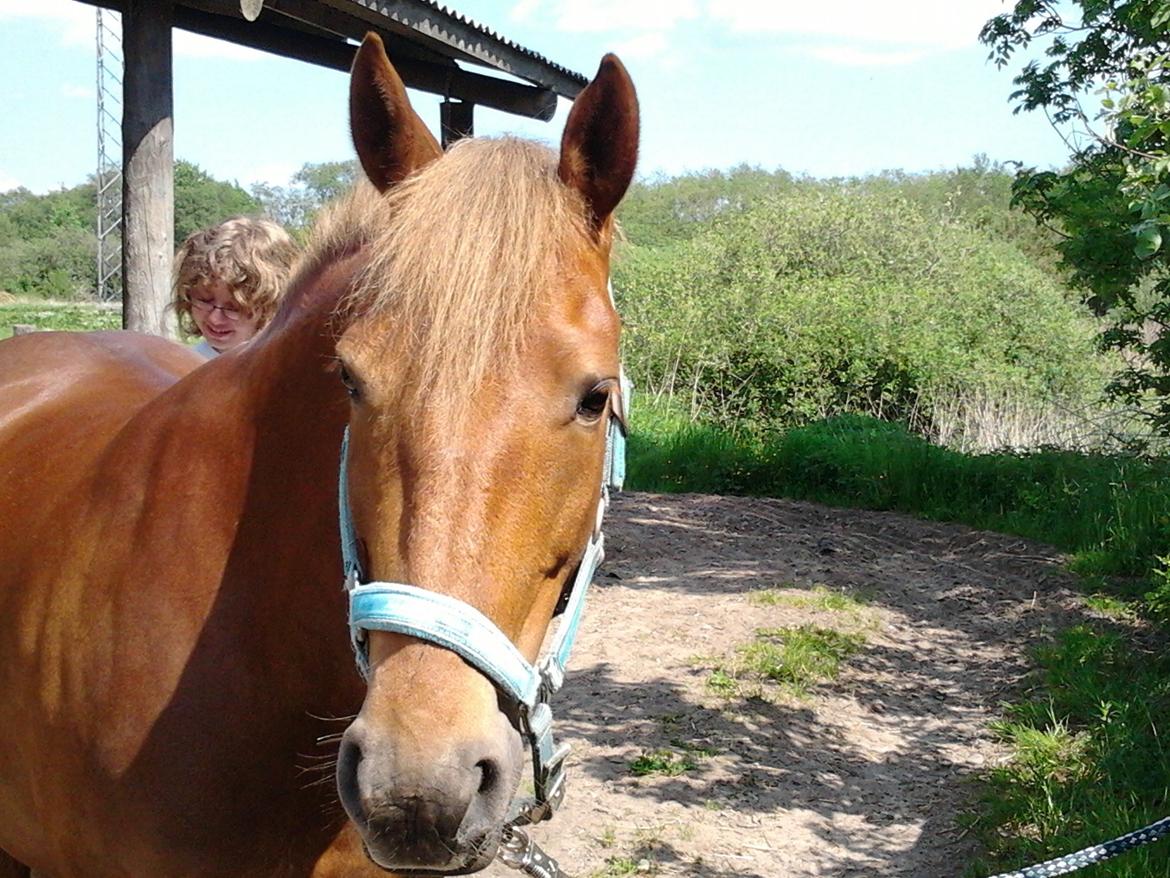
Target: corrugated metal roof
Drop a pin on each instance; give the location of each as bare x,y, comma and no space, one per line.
447,31
535,56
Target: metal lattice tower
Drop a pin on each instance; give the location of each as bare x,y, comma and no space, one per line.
109,164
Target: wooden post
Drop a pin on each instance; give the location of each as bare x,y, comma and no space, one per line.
23,328
456,120
148,167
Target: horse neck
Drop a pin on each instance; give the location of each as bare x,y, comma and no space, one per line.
293,411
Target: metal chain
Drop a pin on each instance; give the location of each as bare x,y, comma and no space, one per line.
520,852
1095,854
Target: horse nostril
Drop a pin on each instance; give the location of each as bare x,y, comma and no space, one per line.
489,775
349,759
349,756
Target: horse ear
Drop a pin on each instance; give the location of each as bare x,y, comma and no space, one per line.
391,140
599,148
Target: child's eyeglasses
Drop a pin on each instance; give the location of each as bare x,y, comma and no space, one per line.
206,306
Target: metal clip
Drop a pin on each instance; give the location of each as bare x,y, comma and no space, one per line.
518,851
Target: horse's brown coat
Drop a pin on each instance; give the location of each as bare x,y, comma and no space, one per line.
172,626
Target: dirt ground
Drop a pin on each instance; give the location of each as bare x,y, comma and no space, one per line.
867,776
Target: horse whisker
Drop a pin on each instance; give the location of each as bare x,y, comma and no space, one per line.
319,782
332,719
327,768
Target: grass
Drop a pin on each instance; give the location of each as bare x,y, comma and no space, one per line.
664,762
819,597
641,856
1088,757
794,659
1112,607
45,314
617,867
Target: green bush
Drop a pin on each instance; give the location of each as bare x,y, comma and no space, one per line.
59,264
815,302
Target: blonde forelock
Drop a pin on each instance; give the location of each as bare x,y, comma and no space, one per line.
462,252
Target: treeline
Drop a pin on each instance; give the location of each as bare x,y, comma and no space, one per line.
758,301
48,243
754,299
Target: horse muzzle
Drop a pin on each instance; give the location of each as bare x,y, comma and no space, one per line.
429,804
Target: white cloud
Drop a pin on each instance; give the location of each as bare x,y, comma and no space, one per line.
613,15
923,23
852,56
70,90
648,45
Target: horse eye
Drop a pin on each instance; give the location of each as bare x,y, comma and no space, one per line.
347,381
593,403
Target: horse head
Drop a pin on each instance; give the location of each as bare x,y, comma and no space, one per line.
480,354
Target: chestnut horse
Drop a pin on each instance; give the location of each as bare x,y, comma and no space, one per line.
173,637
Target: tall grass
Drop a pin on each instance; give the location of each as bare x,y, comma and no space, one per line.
985,419
1111,512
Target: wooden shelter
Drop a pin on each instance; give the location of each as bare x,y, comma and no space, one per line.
427,42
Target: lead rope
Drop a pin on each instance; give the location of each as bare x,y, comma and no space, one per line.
1098,853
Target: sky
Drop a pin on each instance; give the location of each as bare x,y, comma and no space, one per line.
842,88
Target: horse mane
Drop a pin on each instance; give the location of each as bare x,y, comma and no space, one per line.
462,252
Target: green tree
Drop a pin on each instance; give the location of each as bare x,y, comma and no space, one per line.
312,187
47,242
326,181
978,195
288,205
1111,205
201,200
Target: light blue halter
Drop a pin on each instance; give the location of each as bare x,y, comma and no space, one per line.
459,627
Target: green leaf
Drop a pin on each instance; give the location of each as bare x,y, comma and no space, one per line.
1149,242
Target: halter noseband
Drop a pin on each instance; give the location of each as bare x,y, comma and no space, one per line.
452,624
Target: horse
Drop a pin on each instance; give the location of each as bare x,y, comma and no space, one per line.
173,640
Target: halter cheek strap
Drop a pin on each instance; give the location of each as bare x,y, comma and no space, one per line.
457,626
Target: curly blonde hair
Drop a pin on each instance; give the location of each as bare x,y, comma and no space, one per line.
252,257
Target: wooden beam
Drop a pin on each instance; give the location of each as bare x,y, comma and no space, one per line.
456,121
313,17
148,161
441,79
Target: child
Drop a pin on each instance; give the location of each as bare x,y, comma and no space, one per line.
228,280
